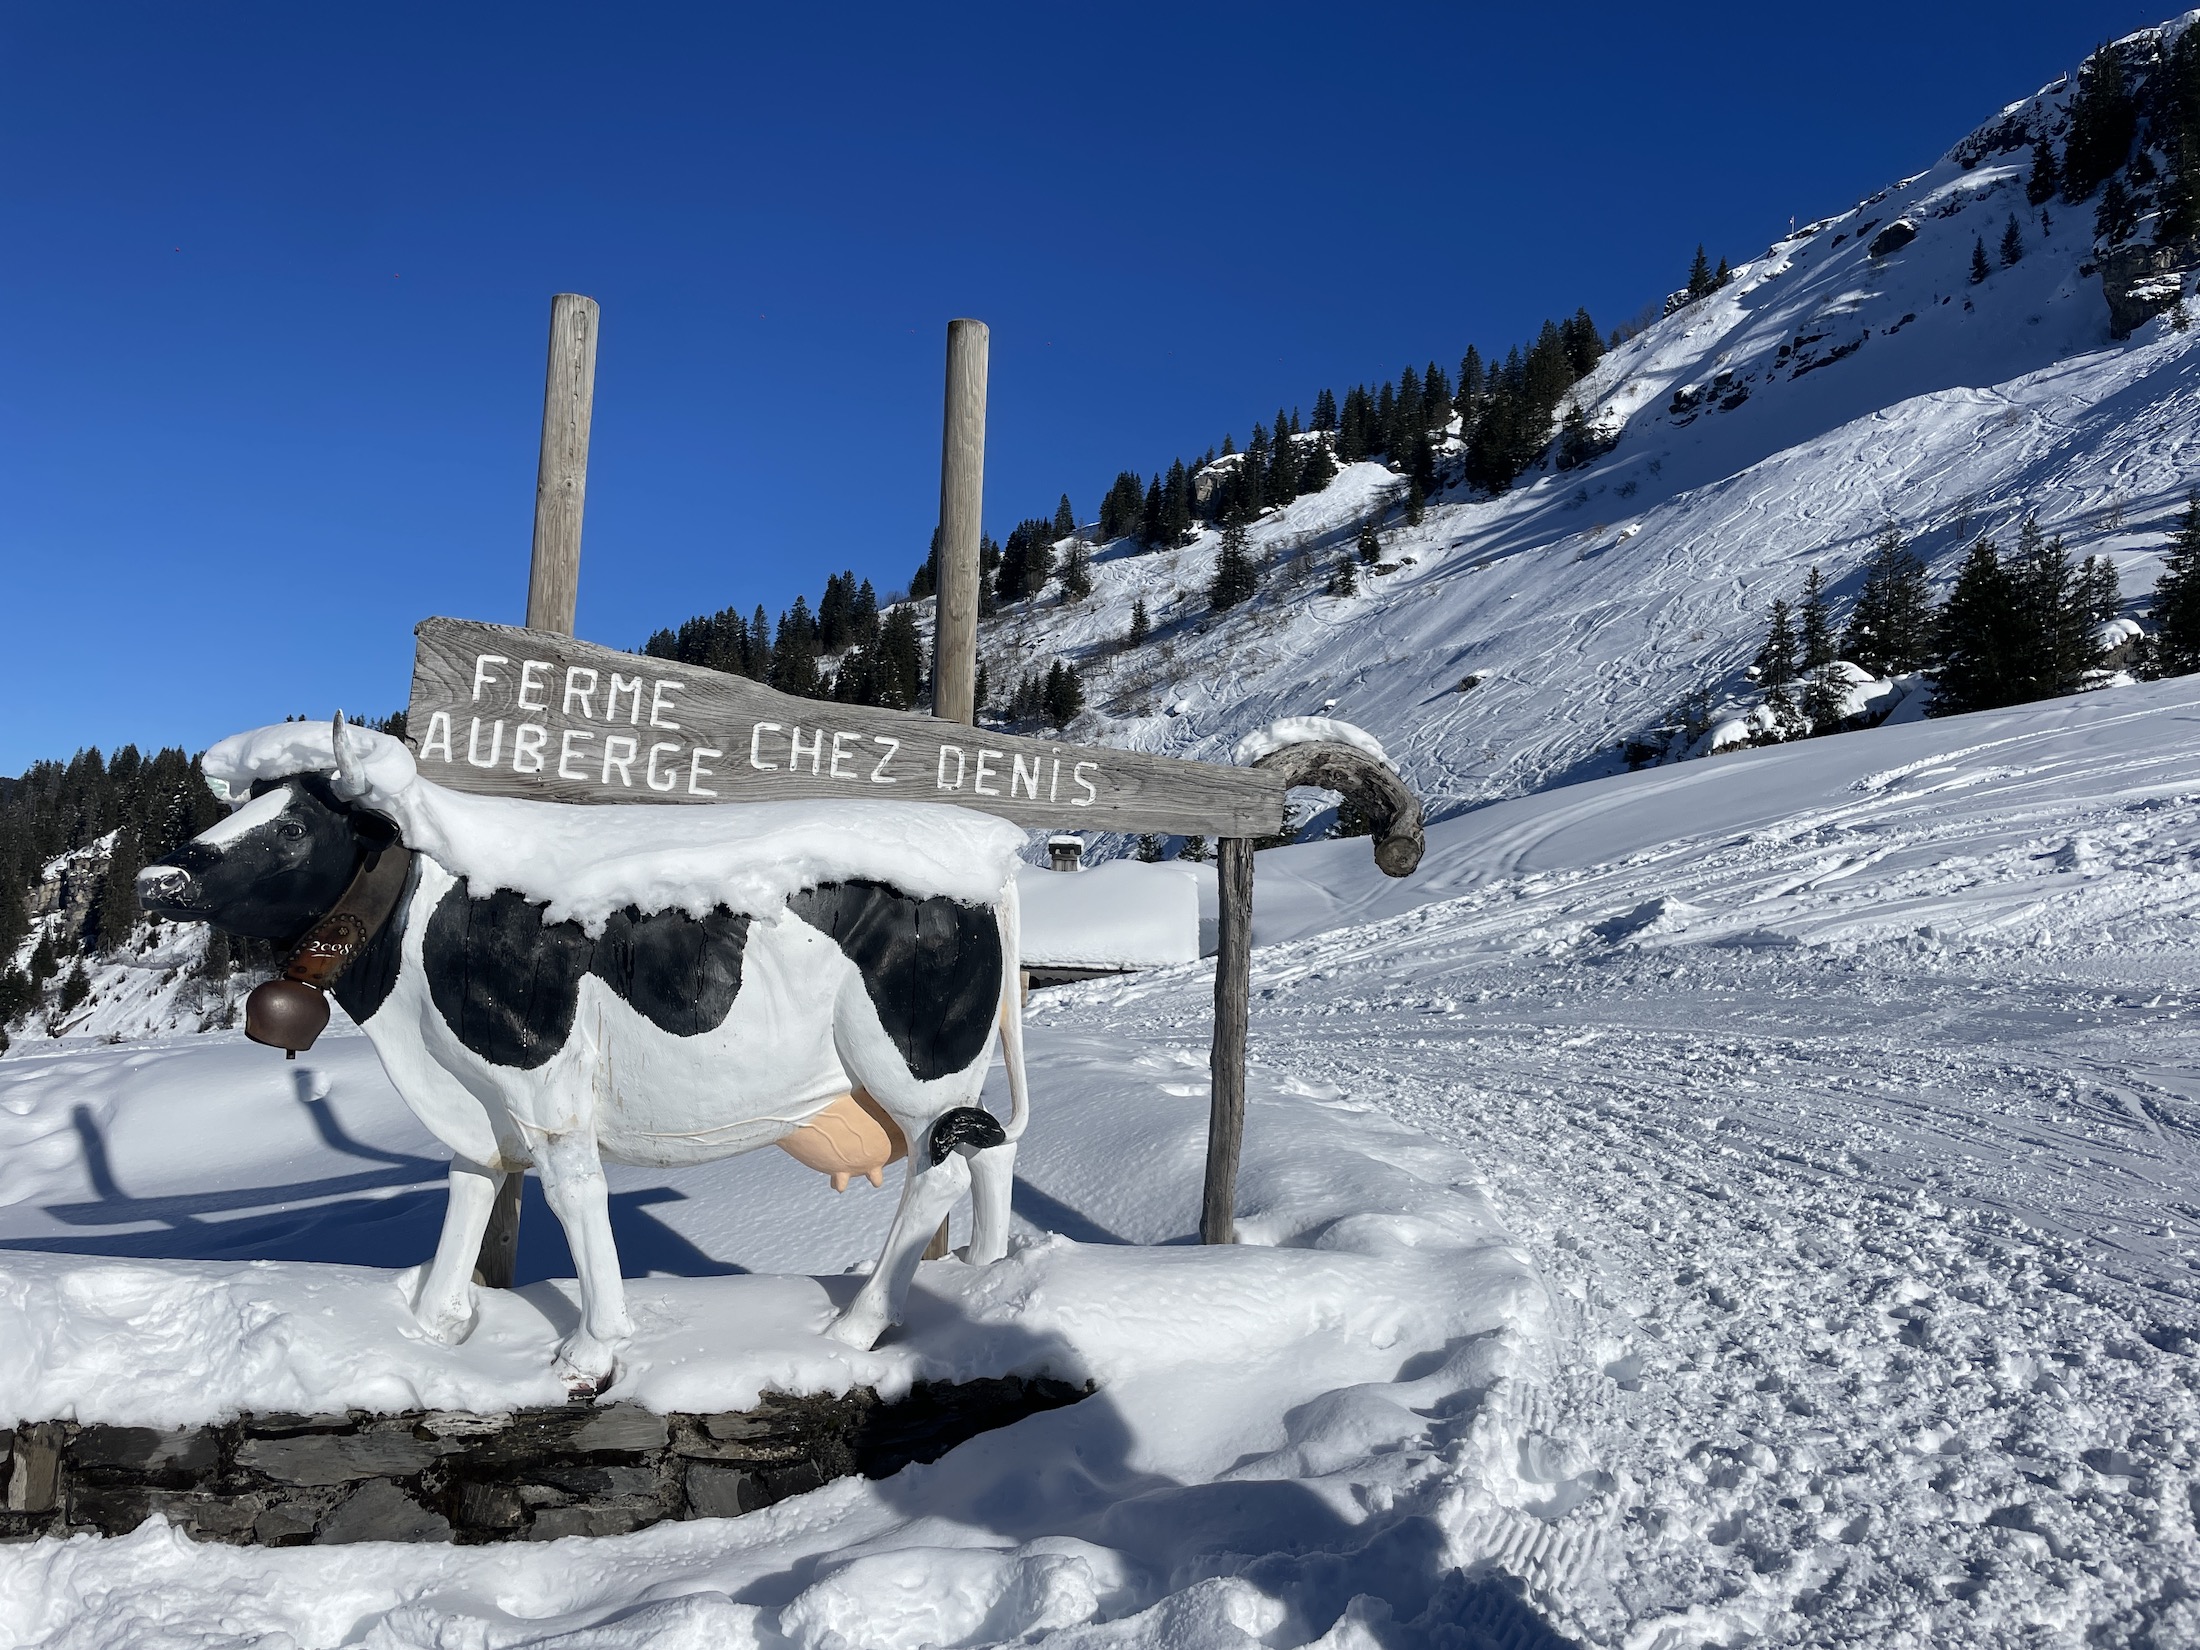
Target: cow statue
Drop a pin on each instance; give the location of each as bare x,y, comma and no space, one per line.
551,987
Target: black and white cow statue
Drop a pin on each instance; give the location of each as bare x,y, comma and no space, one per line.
649,1036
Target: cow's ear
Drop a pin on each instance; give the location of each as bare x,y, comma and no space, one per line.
372,829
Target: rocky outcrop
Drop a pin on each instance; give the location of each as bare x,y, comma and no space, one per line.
2141,282
531,1475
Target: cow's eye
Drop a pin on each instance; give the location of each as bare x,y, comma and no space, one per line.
291,830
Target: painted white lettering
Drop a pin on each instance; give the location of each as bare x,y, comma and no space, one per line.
941,780
832,768
473,745
566,753
482,662
631,686
528,740
439,737
1077,776
573,690
878,774
698,773
794,748
1018,777
1054,784
623,760
659,704
978,779
756,742
650,773
528,684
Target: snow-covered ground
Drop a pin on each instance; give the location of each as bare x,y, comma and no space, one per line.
1748,1200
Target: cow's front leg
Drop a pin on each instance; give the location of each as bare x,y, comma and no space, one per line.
445,1304
573,1183
927,1195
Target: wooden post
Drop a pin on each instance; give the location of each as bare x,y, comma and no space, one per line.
553,594
1226,1056
962,503
1393,814
561,476
962,498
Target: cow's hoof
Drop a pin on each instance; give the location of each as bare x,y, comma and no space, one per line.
857,1328
449,1322
586,1366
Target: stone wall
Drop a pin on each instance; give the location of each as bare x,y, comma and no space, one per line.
531,1475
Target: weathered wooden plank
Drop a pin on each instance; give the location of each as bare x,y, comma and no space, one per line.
561,473
1226,1055
962,498
507,712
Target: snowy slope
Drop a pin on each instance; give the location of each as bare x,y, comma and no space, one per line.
1792,1235
1832,392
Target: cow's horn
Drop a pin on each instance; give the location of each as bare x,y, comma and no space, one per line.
351,773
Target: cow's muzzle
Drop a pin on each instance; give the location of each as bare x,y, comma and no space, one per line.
169,891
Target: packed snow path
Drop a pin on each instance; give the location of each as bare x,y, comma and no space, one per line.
1842,1096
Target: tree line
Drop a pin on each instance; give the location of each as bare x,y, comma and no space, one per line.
2017,625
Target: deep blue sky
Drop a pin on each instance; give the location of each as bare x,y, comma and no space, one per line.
277,278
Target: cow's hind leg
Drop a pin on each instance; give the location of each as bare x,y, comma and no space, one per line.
445,1303
992,1180
573,1182
927,1194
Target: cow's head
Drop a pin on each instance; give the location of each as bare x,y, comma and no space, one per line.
272,867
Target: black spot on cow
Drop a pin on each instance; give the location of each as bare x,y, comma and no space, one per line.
965,1126
679,973
507,983
932,967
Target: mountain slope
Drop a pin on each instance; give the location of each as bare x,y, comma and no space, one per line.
1777,423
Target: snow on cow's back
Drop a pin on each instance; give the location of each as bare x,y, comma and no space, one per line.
587,862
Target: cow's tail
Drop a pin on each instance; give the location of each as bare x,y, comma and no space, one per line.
1012,1013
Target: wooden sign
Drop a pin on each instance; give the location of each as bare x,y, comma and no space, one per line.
529,713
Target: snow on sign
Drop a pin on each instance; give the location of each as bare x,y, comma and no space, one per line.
528,713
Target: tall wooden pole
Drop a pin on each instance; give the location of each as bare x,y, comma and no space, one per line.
962,503
1226,1056
962,497
561,475
553,593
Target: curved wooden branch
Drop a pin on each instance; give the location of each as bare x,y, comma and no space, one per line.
1380,795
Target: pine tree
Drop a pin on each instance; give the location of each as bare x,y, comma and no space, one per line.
2046,176
1891,629
1369,543
1980,268
2012,243
1325,411
2103,122
1077,573
1700,279
2055,647
1721,276
2100,591
1064,694
1775,664
2117,215
1814,624
1318,470
1194,849
1344,579
1176,503
1978,640
2175,607
1235,575
1149,849
114,910
1825,700
1140,625
1065,519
